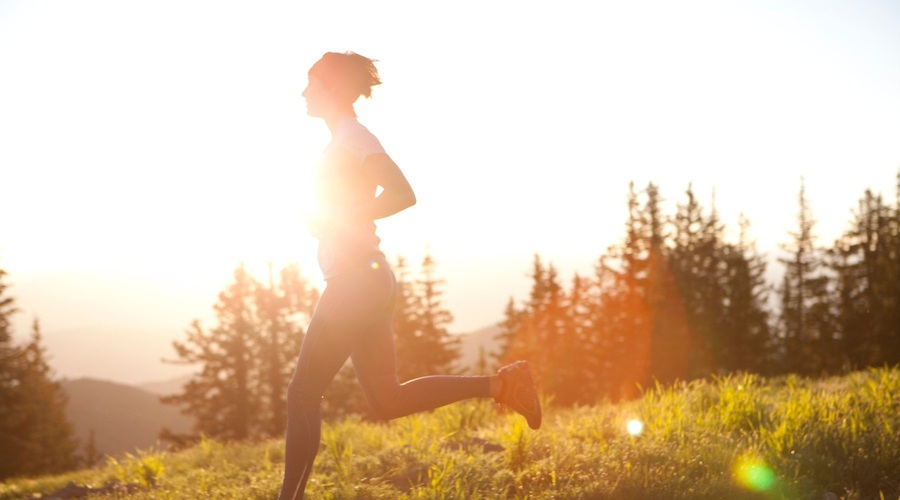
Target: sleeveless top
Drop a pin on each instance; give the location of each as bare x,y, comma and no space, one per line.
341,182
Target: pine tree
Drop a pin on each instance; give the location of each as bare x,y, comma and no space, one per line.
513,318
806,317
281,311
854,258
890,265
866,262
623,336
7,310
697,264
535,330
247,359
621,312
424,344
92,456
670,351
749,341
222,396
443,348
46,437
405,320
577,353
9,354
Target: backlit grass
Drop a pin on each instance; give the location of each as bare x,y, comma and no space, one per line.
735,437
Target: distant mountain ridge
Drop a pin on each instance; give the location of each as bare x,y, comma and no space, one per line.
165,387
473,344
123,418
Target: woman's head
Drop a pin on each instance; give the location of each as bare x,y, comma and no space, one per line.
340,78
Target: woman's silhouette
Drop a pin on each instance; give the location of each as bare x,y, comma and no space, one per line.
353,317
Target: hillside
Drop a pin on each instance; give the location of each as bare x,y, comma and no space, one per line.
165,387
472,344
123,418
739,437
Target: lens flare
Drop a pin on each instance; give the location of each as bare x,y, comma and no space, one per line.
635,427
753,474
374,265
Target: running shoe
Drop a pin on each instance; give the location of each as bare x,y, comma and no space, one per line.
517,391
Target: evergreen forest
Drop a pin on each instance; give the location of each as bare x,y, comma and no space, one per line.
674,300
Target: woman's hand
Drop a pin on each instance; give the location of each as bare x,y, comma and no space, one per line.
396,194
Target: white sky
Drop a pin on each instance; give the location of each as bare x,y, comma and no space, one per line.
148,147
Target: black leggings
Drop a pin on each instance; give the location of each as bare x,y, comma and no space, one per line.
353,319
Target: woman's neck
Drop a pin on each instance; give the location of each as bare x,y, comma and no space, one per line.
333,119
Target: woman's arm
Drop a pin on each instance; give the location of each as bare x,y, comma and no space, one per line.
396,194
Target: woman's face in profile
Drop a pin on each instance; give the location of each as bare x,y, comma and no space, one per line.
317,96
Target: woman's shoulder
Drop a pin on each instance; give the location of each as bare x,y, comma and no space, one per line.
356,138
352,129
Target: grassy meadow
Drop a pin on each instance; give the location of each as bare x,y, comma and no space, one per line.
734,437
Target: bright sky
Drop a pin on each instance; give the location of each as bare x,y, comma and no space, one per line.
146,148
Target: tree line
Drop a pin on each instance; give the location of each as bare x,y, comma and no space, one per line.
246,360
675,299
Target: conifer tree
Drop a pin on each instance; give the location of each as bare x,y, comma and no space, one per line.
221,396
405,319
623,328
621,310
535,329
550,337
885,280
424,344
247,359
853,312
696,262
440,349
513,318
577,351
866,262
282,309
670,336
35,435
746,335
629,291
806,316
46,442
890,279
9,354
92,455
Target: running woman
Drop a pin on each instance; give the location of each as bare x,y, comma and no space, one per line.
353,317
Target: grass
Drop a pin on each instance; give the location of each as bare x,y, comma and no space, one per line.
734,437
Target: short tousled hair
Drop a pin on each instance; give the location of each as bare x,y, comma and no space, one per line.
348,74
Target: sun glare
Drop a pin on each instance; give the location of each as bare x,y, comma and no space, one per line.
753,474
635,427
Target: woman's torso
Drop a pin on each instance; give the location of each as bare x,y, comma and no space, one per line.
341,184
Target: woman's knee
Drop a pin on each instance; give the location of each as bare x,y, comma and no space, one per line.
385,410
384,398
302,393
